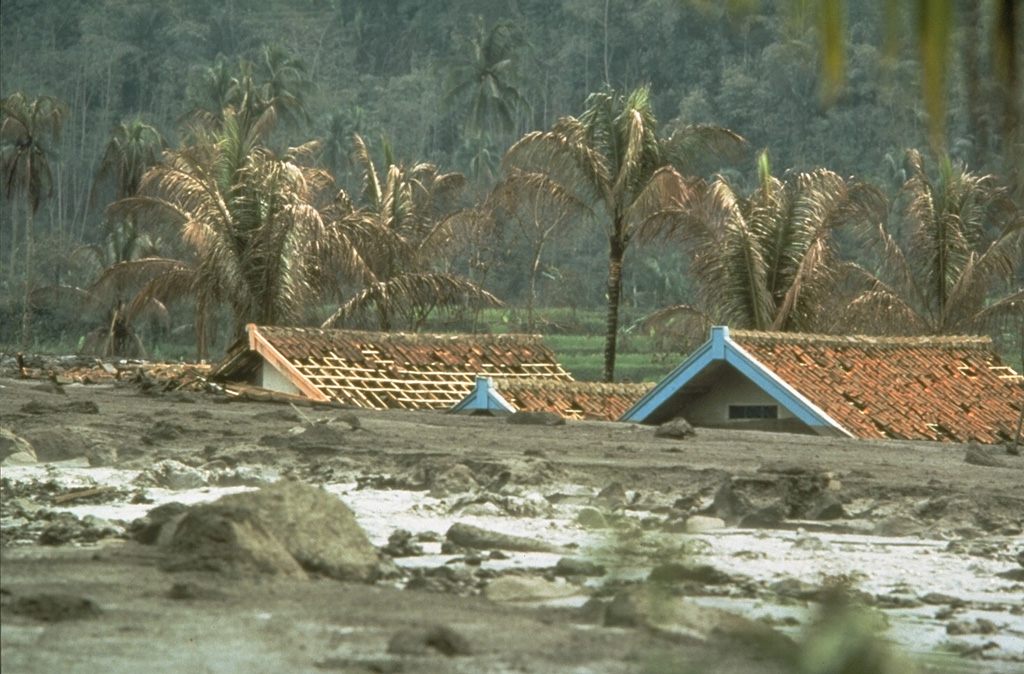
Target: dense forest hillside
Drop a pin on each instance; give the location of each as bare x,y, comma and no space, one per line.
384,84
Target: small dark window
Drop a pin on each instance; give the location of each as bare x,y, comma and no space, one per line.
753,411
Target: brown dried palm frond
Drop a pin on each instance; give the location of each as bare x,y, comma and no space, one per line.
409,298
951,268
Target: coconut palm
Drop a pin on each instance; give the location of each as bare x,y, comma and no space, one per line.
481,79
613,160
403,225
276,86
259,243
26,128
132,148
767,261
964,246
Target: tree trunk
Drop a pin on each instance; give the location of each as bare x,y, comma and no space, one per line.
26,314
530,327
616,253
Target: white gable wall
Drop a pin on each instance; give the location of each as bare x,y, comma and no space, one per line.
730,388
271,378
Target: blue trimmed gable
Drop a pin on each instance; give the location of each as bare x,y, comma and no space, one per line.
719,375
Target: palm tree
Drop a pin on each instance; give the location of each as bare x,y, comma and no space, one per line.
965,244
276,86
767,261
613,160
540,210
25,168
405,223
482,77
259,242
132,148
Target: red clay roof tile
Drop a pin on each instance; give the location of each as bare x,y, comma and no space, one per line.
909,388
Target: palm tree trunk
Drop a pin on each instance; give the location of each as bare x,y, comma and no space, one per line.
26,314
530,327
616,253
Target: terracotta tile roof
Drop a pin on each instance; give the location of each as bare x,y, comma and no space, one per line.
388,370
572,399
936,388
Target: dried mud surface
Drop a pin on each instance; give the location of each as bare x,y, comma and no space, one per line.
139,618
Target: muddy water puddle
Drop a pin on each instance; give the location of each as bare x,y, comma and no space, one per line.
907,575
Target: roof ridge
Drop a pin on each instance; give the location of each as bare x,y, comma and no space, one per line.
537,383
813,339
378,336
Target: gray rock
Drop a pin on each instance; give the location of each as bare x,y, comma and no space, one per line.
591,518
651,607
612,496
535,418
511,589
674,572
220,538
796,589
979,626
676,429
437,639
51,608
317,528
402,544
699,524
14,445
570,566
146,529
455,480
73,406
469,536
979,456
171,474
55,444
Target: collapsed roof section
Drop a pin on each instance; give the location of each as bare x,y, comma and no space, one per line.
381,370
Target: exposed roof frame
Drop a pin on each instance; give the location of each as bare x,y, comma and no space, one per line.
275,359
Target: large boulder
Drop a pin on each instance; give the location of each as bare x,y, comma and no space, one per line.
15,447
285,529
60,443
319,531
218,537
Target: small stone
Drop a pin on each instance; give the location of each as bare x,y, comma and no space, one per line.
439,638
591,518
699,524
568,566
535,418
677,429
674,572
53,608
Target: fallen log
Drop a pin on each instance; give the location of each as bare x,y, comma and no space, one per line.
82,493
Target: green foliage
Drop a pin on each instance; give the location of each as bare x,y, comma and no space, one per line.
821,83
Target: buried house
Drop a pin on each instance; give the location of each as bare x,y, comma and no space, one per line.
569,399
914,388
379,370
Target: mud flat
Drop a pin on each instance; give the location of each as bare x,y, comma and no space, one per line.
496,547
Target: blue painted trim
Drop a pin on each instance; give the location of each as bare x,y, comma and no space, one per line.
721,348
483,397
657,396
